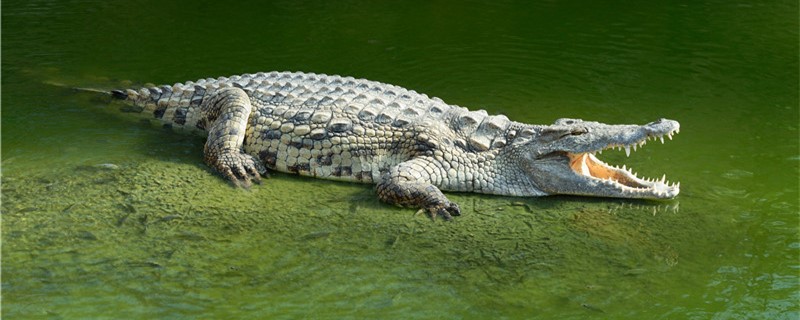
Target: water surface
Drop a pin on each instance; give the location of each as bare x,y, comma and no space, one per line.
106,216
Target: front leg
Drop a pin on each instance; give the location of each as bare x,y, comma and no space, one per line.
408,184
227,112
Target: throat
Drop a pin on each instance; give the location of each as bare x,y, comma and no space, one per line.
586,164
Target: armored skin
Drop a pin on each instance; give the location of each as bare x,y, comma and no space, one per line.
410,145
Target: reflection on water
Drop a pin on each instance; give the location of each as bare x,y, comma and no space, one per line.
105,215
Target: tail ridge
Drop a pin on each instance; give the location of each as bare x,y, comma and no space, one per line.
119,94
84,89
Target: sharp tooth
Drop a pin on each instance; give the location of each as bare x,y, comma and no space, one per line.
669,135
600,152
624,168
634,147
584,166
662,139
664,179
678,130
627,151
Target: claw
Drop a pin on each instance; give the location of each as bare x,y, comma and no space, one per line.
254,173
454,209
444,210
444,214
239,168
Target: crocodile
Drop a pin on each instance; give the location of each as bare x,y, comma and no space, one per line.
410,145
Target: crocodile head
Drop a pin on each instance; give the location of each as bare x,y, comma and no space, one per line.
564,159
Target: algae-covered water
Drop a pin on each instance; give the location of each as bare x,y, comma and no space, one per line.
107,216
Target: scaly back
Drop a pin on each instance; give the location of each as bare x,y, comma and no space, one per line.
302,95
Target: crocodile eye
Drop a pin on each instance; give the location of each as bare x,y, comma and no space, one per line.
567,121
579,131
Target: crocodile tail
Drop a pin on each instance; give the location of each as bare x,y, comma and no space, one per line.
119,94
138,98
78,89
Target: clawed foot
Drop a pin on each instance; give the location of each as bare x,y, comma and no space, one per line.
446,210
240,168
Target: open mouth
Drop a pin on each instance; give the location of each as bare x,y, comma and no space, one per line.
622,178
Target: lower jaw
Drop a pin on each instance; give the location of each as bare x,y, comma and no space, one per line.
624,183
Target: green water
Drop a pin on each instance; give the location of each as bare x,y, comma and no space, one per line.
104,216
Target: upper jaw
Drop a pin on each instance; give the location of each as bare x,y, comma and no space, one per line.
623,137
